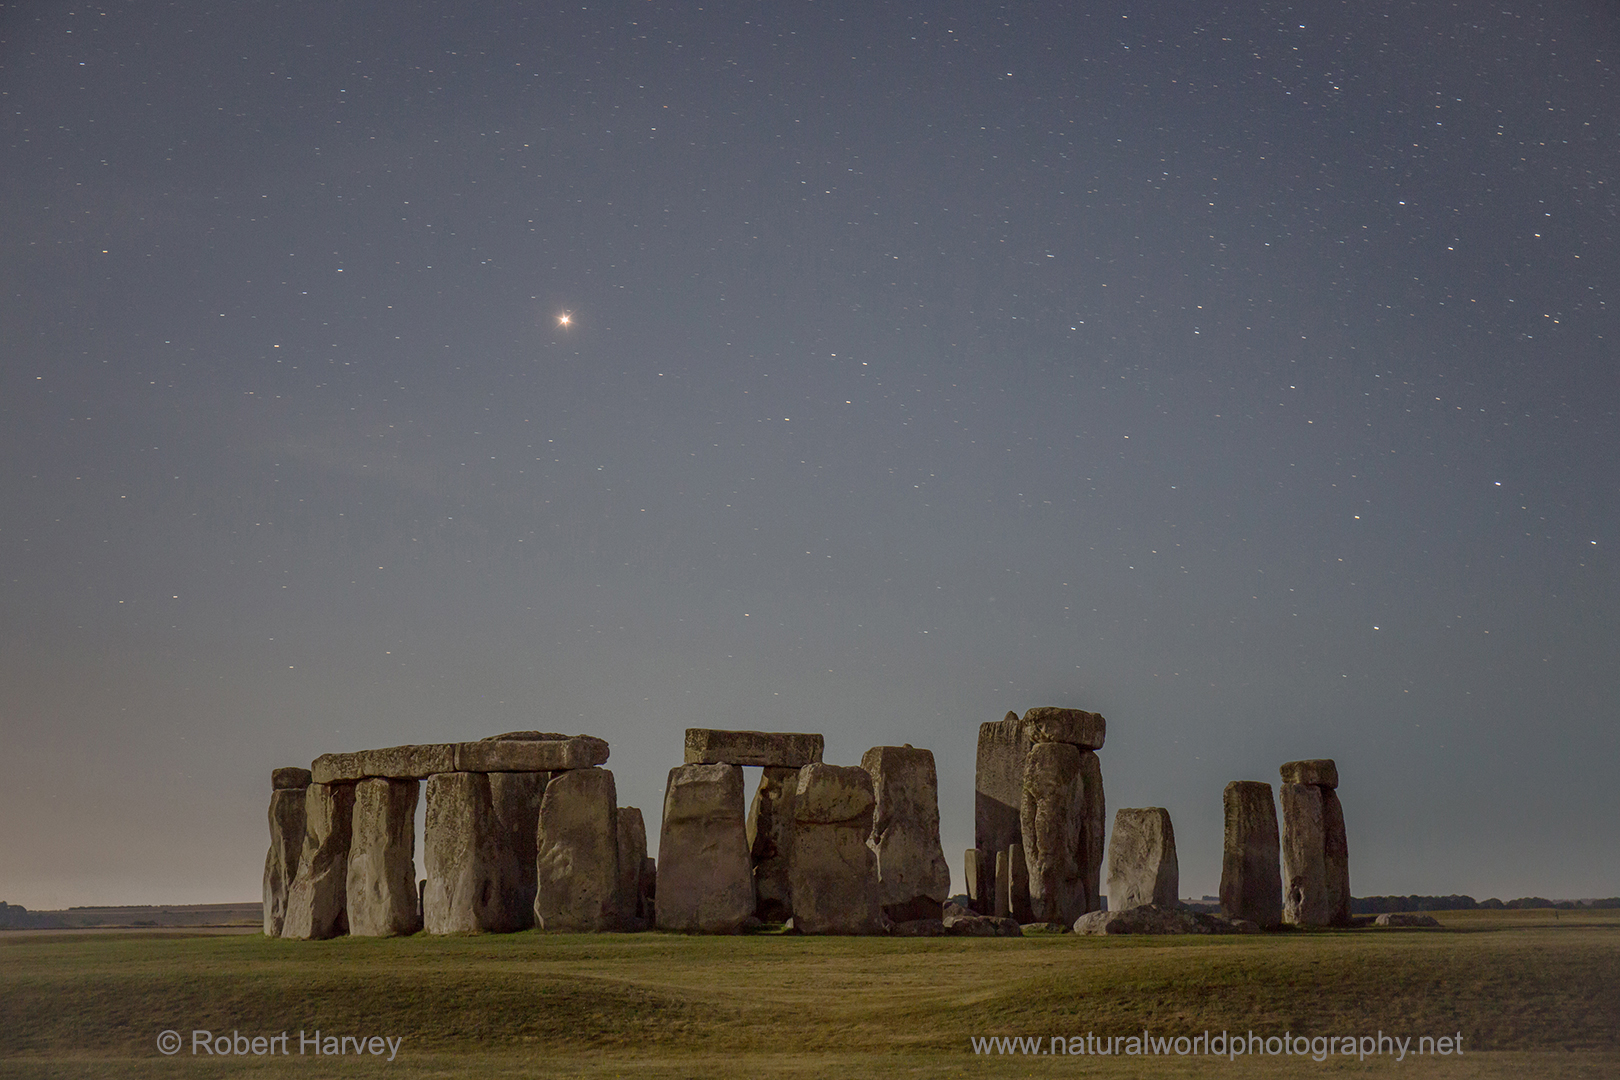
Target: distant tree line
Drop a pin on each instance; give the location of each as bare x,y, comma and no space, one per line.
1377,905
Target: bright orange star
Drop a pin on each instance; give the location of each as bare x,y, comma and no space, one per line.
565,318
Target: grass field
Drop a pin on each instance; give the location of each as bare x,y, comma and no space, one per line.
1532,993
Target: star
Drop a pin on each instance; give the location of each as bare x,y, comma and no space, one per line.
565,318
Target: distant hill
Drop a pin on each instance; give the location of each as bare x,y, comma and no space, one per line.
17,917
1377,905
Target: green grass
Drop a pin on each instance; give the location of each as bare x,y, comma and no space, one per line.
1531,992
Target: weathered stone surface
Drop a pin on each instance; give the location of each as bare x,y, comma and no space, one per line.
1406,918
981,926
1018,903
999,791
1142,867
461,853
515,797
629,899
705,877
531,755
1150,919
381,887
833,874
913,877
1002,903
1053,830
281,861
1251,884
317,902
649,888
393,762
577,853
781,749
527,736
918,928
1094,817
770,842
289,778
1074,726
1316,865
979,873
1320,771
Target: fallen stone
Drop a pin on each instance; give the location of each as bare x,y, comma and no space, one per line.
1251,884
1319,771
1073,726
1315,861
1045,928
381,887
531,755
281,861
1150,919
1405,918
414,762
998,795
913,877
918,928
289,778
770,842
1053,830
461,853
577,853
832,871
515,798
780,749
317,901
705,877
981,926
1142,866
630,899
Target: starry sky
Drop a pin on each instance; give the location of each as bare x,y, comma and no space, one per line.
1246,373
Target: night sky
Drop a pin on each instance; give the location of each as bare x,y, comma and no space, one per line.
1244,373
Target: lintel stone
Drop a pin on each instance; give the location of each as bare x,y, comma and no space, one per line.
414,762
1074,726
784,749
531,755
289,778
1319,771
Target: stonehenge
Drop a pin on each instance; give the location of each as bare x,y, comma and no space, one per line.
286,843
381,886
832,869
705,875
1142,868
523,831
1038,787
1315,856
1251,884
913,878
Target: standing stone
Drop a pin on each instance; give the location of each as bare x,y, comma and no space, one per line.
770,842
515,798
1142,865
286,845
999,790
1018,902
1001,905
316,903
1094,816
381,884
630,897
705,878
978,872
1316,868
1053,830
462,856
1251,887
913,877
833,873
1323,772
577,853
